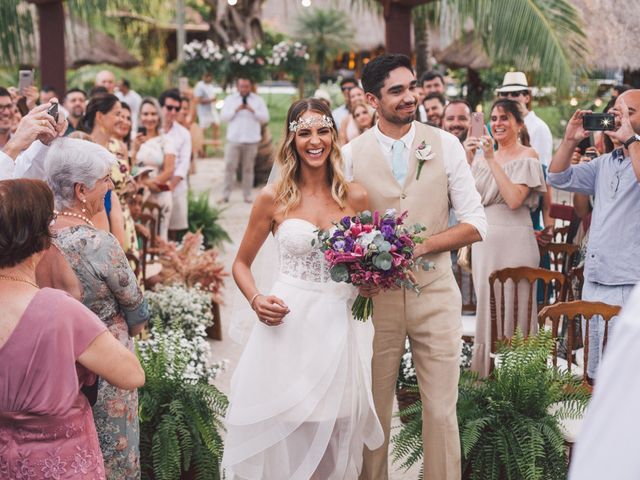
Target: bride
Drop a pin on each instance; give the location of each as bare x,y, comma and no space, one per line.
300,402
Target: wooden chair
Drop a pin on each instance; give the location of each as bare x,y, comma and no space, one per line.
575,276
572,313
134,262
468,309
155,210
560,234
563,256
551,282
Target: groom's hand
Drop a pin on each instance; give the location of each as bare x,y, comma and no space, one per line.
270,310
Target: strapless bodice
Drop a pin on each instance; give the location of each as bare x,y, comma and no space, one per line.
298,258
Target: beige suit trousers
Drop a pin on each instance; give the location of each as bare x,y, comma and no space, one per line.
432,322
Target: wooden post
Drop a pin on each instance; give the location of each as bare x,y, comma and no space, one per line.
398,28
52,48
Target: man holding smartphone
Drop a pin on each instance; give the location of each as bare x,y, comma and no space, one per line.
612,265
246,112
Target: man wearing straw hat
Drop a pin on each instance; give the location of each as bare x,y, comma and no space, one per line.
515,87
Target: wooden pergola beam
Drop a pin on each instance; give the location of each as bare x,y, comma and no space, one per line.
397,20
51,39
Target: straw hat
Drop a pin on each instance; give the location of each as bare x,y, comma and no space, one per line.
513,82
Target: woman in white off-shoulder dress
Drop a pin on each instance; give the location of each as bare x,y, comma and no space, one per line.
300,402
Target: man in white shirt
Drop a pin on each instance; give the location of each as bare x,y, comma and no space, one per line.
342,112
106,79
205,95
516,87
131,98
245,113
170,101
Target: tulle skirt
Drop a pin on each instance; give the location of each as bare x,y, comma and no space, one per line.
301,405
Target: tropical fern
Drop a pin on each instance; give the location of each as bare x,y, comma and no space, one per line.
506,428
180,421
206,218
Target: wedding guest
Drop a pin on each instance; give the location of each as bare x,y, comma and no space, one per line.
611,267
434,108
50,346
107,80
349,129
74,102
205,96
432,81
171,103
245,112
132,98
509,182
6,116
102,121
360,119
341,112
456,118
154,149
89,264
124,128
516,87
47,92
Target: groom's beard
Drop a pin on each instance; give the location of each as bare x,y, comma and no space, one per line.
403,114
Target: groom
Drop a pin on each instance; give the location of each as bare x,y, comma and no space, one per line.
386,161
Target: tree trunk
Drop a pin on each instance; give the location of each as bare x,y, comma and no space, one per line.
421,39
52,49
475,88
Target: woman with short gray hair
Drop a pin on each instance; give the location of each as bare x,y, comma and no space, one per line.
90,264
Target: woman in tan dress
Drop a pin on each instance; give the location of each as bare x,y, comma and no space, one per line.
509,181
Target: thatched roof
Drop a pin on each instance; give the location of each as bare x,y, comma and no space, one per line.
613,32
87,47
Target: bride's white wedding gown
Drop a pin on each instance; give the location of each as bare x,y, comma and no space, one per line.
300,404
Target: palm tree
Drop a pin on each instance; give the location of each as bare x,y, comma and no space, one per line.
327,33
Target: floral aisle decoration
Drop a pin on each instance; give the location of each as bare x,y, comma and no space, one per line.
289,58
246,62
509,422
201,57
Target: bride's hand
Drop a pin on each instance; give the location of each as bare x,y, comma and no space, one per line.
270,310
368,291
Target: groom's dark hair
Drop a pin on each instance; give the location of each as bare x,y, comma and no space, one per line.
377,71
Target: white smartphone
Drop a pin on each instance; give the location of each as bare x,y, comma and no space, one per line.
25,79
477,125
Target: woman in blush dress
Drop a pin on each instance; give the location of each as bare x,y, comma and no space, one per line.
301,406
50,346
509,181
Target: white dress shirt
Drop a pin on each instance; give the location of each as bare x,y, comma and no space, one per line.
540,137
181,140
607,444
244,126
464,197
28,164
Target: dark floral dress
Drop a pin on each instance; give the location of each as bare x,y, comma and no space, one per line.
111,291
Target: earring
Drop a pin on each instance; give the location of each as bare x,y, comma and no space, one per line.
84,204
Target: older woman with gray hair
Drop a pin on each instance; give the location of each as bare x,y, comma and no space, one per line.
90,264
153,150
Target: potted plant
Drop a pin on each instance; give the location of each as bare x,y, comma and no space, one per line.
507,428
180,411
205,218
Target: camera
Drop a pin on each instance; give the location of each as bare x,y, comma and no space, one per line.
599,121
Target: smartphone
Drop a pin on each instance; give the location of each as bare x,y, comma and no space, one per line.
53,111
25,79
142,130
183,84
599,121
244,100
477,125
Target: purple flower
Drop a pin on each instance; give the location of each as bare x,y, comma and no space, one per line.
387,231
339,245
348,244
346,221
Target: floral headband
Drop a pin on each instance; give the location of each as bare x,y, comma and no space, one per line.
322,121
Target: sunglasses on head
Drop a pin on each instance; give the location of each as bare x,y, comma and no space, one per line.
512,94
172,108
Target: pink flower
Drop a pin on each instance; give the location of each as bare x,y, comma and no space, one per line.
368,228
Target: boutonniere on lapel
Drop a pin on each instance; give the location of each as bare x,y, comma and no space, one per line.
423,153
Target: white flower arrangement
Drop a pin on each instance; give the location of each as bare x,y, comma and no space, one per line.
177,306
207,50
183,358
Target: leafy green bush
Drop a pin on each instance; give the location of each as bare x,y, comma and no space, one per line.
205,218
180,415
506,428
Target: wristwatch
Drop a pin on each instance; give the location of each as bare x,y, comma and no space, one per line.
635,138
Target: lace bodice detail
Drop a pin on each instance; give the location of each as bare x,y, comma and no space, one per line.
297,257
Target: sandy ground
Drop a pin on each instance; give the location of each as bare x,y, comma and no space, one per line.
209,177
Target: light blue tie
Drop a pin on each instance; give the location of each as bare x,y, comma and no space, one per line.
398,164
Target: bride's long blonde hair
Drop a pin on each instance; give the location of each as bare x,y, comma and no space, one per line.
288,160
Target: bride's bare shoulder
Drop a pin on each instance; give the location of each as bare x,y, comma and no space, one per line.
265,201
357,197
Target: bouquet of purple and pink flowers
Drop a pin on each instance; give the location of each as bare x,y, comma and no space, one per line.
372,249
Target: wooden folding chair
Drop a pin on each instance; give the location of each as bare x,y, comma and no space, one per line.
560,234
552,283
563,256
572,314
155,211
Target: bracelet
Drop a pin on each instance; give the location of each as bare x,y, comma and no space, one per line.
253,299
